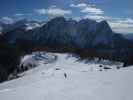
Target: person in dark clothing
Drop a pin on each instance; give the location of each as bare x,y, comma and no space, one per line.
65,75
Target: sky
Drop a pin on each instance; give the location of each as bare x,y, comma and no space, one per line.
118,13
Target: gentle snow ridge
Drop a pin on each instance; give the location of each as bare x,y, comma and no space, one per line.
82,82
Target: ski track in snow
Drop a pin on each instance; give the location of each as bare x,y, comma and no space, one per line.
47,82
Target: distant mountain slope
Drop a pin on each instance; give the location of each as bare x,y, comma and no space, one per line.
60,32
25,24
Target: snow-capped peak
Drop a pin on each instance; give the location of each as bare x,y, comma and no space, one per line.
31,26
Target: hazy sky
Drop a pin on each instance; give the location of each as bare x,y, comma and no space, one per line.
118,13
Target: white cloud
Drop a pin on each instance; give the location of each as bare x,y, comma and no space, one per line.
92,10
127,20
81,5
58,12
122,25
22,14
87,8
7,20
95,17
53,11
19,14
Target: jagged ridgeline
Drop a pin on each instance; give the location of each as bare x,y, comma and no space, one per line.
85,37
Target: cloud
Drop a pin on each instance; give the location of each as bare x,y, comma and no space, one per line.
87,8
53,11
7,20
81,5
19,14
22,14
95,17
122,25
80,1
99,2
126,21
58,12
92,10
89,11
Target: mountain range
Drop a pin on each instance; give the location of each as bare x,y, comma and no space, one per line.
60,32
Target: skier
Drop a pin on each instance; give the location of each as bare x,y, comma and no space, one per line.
65,75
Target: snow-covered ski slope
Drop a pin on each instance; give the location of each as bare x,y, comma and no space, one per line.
69,79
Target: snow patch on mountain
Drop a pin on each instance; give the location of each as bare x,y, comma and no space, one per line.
31,26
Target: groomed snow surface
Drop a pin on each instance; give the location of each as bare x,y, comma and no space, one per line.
69,79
